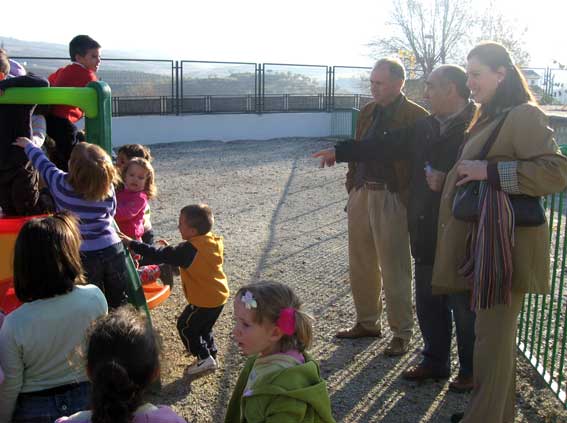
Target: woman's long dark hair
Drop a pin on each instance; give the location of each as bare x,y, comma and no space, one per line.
511,92
122,361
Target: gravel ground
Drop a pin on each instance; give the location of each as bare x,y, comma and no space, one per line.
282,219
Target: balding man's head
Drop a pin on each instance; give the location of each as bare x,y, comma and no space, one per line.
395,67
387,80
453,74
446,89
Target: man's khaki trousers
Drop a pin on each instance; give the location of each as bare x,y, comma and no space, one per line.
494,364
379,255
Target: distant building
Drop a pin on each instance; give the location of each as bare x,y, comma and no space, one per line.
532,77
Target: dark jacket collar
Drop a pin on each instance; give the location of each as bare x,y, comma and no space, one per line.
390,109
458,124
464,117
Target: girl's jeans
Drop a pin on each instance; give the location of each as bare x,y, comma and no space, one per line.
107,269
32,408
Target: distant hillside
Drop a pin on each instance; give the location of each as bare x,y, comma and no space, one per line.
154,78
16,47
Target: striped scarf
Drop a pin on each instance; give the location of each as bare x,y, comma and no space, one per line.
488,254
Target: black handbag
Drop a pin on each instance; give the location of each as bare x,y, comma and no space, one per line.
528,210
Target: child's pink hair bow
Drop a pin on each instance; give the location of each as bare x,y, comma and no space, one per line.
286,321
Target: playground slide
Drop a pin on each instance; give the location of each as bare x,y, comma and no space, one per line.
95,101
141,296
9,229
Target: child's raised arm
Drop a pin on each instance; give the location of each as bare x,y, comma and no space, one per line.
22,142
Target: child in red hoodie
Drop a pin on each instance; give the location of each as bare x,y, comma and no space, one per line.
85,57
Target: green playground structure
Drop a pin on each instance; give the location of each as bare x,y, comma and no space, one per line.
95,101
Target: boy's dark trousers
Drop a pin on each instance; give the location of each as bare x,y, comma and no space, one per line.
195,326
64,133
19,191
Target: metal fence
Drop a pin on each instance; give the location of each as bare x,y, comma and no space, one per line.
542,330
141,87
559,125
151,86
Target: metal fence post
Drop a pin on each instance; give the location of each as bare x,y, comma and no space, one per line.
178,88
262,87
333,76
354,120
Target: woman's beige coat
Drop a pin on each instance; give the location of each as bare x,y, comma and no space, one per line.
526,138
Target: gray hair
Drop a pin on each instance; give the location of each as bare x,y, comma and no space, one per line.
395,67
456,75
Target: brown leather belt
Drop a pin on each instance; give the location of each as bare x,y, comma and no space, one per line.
375,186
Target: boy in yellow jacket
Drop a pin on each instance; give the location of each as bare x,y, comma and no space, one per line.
200,259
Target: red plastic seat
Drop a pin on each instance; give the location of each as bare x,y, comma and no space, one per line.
9,229
8,300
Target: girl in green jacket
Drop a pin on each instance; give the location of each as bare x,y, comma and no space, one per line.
280,382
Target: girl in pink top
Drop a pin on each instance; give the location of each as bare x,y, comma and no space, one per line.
132,201
139,187
122,361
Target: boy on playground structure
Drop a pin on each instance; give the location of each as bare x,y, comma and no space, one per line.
85,58
19,191
200,259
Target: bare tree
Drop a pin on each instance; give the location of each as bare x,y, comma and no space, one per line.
432,31
495,26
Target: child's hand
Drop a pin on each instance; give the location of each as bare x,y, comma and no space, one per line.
22,142
126,240
162,242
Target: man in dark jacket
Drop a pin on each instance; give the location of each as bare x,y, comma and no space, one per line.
19,192
432,144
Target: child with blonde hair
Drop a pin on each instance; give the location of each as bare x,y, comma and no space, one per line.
124,154
280,381
138,187
87,190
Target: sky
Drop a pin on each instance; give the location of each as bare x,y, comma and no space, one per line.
292,31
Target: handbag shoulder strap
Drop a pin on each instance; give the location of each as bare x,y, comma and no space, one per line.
490,141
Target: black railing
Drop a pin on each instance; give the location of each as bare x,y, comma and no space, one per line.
165,87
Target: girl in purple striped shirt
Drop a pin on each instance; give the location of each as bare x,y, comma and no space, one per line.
87,190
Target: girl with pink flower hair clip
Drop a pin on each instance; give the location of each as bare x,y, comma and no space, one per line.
280,381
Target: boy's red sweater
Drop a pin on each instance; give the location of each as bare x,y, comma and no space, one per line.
73,75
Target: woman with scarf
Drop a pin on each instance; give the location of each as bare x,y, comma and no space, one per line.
495,257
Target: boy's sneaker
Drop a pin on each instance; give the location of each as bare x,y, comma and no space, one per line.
166,274
203,365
